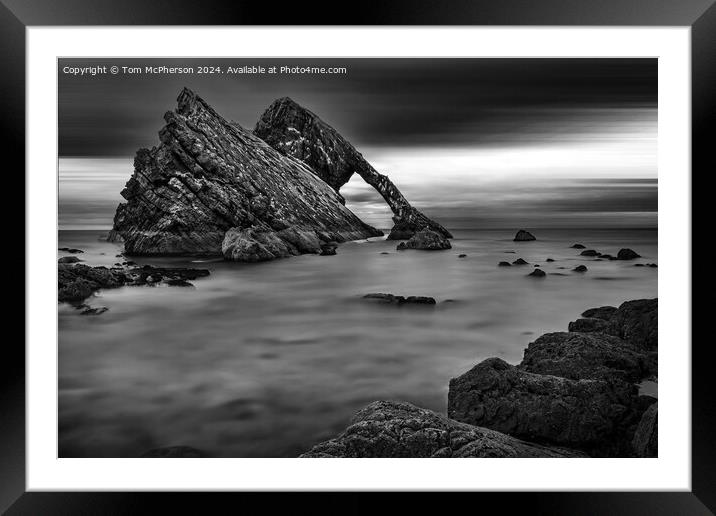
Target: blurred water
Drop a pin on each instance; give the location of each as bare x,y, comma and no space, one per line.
264,360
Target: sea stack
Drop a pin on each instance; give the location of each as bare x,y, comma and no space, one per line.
297,132
213,188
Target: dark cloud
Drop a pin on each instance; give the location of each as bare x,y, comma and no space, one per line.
387,102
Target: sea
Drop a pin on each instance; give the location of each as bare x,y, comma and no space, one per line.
268,359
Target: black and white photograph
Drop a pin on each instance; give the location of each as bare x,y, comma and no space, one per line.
357,257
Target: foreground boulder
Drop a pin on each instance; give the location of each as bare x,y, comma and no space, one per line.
637,322
427,240
295,131
596,416
208,177
646,438
585,356
392,429
524,236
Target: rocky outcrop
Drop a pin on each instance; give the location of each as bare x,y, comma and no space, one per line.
297,132
78,282
596,416
637,322
212,188
585,356
392,430
575,390
646,436
426,240
524,236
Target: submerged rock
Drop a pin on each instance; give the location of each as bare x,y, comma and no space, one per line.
400,300
520,261
426,240
537,273
462,256
394,429
295,131
94,311
589,252
504,264
524,236
577,246
596,416
70,250
212,188
580,268
627,254
549,260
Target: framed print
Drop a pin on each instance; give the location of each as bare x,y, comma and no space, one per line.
421,251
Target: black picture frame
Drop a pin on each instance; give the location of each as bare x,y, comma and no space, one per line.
16,15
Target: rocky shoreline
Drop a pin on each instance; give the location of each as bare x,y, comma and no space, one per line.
574,394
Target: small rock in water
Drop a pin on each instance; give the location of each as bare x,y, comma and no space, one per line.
549,260
70,250
400,300
385,252
589,252
524,236
652,265
578,246
537,265
427,240
520,261
627,254
638,265
461,255
504,264
580,268
510,252
328,249
69,259
537,273
94,311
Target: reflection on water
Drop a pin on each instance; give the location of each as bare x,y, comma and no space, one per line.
264,360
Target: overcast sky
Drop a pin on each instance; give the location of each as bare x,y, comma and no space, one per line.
379,102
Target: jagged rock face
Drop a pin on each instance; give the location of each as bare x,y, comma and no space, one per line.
209,176
596,416
391,429
297,132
